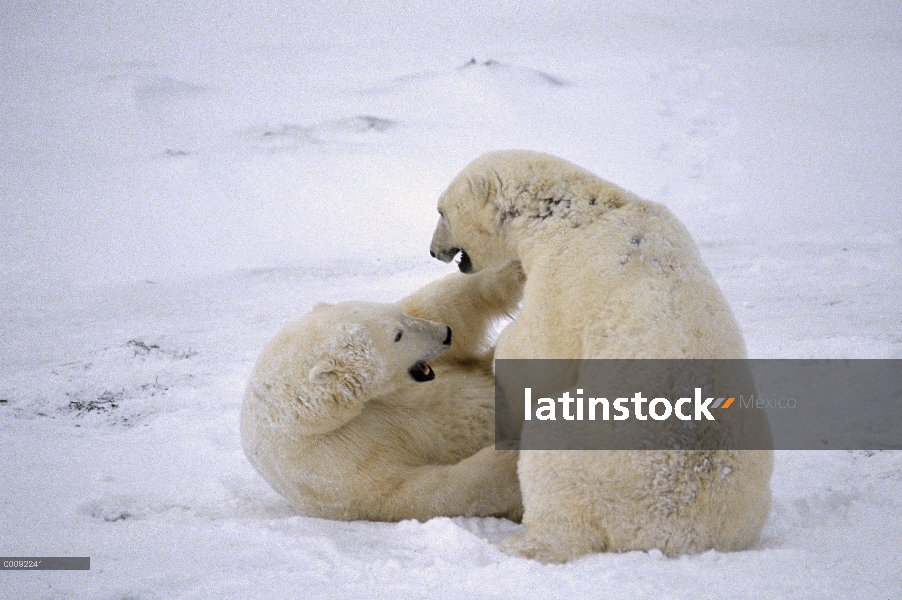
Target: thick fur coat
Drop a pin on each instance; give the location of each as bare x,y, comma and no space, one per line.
344,416
609,275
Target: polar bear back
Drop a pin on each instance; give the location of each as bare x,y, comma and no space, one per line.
609,275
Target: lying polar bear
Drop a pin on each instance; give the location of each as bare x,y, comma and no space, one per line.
609,275
344,416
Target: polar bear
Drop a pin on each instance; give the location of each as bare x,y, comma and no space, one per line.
609,275
345,418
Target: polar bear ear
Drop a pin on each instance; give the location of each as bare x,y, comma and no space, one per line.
321,306
488,189
325,369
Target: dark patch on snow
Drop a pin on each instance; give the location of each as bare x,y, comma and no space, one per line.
124,407
158,89
286,137
111,510
340,131
371,123
496,67
495,64
473,62
112,518
289,131
114,509
104,403
142,349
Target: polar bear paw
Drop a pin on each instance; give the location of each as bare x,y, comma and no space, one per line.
547,548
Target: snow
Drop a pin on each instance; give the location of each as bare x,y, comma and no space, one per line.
179,180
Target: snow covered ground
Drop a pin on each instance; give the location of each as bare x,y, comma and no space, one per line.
179,180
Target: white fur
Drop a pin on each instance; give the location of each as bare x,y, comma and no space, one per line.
609,275
334,422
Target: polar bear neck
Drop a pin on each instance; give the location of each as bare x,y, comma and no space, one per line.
538,208
530,190
540,205
533,218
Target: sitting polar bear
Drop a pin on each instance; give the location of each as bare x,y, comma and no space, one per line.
344,417
609,275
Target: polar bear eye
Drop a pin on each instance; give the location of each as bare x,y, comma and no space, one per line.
399,336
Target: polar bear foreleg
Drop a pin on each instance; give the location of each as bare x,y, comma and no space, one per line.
482,485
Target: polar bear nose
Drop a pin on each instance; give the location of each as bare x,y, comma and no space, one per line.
444,255
447,341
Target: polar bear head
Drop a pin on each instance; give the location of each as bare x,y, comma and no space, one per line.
319,371
488,207
367,337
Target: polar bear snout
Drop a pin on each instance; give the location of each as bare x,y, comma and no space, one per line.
445,256
421,371
465,264
422,338
443,246
436,337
